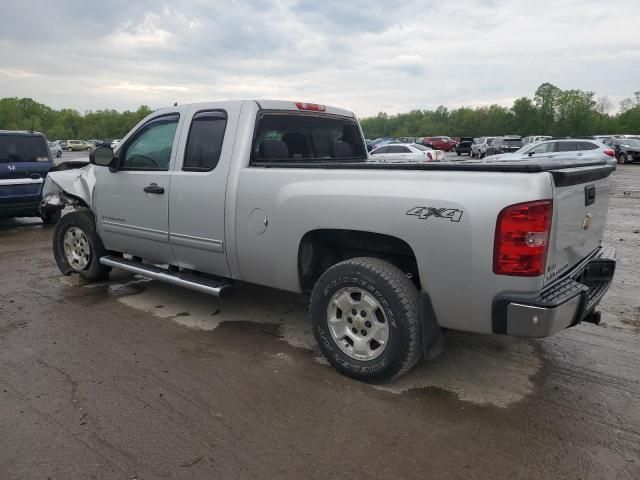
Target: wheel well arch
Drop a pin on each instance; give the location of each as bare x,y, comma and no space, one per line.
322,248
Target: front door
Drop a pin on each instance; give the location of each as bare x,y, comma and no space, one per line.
132,204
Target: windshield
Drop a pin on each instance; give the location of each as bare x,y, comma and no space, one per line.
631,142
512,141
22,148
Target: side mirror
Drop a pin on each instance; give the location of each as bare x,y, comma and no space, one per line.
531,154
102,157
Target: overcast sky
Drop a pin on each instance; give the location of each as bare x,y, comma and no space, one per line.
367,56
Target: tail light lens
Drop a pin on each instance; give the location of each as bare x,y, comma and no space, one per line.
430,156
522,239
313,107
611,153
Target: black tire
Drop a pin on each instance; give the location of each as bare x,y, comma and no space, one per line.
84,220
458,153
70,149
51,217
396,295
59,154
622,158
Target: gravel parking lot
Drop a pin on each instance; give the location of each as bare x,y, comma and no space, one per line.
137,379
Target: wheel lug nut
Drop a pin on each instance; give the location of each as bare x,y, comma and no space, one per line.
354,330
354,312
367,324
349,320
363,332
363,314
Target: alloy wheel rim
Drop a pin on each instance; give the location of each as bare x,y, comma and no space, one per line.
357,324
76,248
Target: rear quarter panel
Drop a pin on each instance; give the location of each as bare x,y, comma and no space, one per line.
454,257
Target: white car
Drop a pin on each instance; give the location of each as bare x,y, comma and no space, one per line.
479,147
561,149
55,149
115,143
535,139
408,152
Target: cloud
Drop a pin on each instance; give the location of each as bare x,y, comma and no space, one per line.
367,56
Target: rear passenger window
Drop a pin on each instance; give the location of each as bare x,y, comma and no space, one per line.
587,146
307,138
566,147
204,144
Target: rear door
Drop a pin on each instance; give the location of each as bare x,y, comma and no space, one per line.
132,204
24,163
198,189
566,150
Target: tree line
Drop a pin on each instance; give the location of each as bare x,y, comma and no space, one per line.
551,111
65,124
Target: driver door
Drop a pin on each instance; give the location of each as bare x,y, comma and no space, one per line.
132,204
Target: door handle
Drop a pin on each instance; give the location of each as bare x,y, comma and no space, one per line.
154,188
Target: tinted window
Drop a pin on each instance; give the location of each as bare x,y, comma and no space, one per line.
398,149
512,141
381,150
150,148
566,147
587,146
205,141
23,148
297,137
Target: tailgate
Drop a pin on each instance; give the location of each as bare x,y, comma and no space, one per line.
581,201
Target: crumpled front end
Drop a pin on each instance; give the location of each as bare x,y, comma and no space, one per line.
68,188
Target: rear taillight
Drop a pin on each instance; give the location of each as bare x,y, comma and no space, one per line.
430,156
522,239
314,107
611,153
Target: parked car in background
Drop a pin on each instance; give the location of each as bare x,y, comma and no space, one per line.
55,149
77,145
25,161
62,143
626,150
479,149
464,146
535,139
505,144
439,143
90,143
559,149
412,152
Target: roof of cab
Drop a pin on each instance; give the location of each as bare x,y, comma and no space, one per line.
288,105
20,132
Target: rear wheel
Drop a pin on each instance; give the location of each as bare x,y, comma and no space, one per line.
365,318
622,158
70,149
59,153
77,247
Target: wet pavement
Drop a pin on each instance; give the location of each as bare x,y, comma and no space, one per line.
137,379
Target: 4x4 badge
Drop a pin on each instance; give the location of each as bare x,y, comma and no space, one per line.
424,213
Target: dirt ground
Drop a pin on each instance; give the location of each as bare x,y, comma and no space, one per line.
133,379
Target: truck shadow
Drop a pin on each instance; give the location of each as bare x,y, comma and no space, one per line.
482,369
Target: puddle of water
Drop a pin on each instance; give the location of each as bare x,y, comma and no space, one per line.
485,370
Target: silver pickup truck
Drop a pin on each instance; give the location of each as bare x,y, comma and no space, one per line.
283,194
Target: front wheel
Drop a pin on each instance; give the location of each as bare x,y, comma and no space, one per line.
622,158
365,318
77,248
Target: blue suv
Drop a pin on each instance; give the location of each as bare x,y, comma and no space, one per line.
25,160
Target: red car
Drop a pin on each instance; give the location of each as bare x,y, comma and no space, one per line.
440,143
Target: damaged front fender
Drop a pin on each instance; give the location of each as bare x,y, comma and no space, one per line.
69,187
